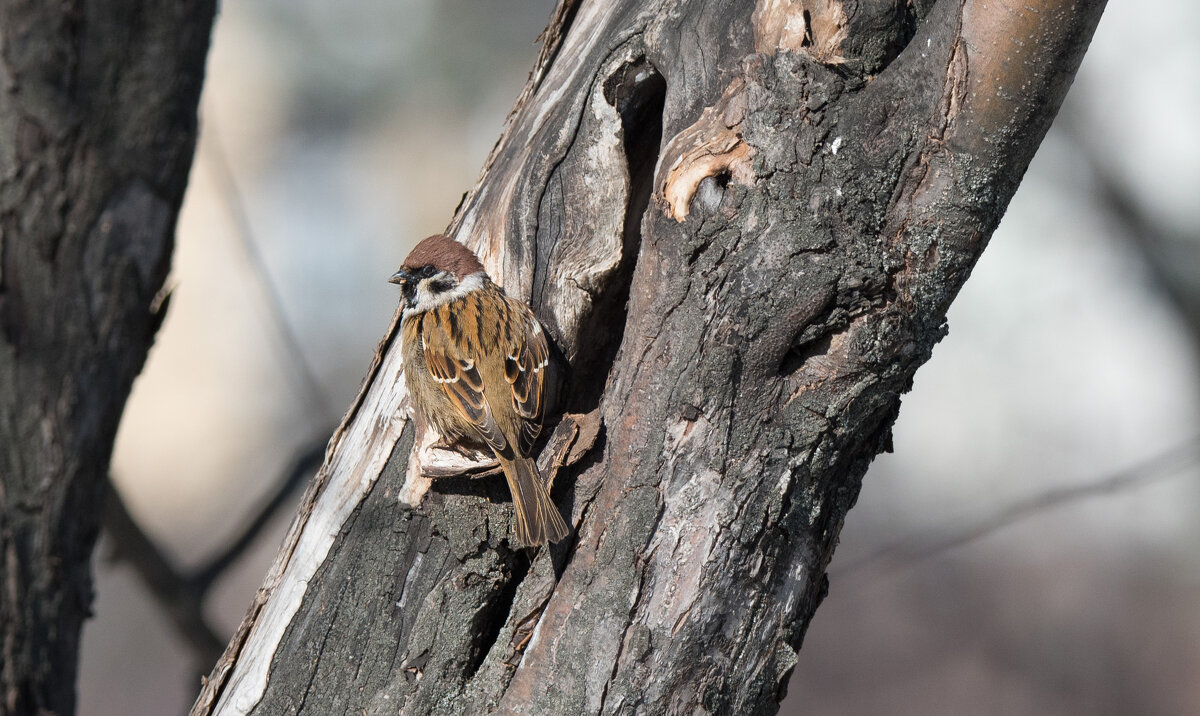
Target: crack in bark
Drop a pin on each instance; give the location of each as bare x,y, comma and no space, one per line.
320,651
633,610
497,611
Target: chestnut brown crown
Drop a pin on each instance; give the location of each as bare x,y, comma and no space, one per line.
443,254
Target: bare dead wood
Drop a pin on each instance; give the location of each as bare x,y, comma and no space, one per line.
97,127
742,326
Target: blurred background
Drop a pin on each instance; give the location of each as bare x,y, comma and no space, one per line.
1032,545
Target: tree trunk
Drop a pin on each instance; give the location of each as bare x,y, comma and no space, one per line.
97,128
742,224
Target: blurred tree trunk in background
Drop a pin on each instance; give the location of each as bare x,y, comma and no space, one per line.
97,129
743,223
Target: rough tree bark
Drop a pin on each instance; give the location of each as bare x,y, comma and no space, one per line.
743,224
97,128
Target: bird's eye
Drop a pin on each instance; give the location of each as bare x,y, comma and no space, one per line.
426,271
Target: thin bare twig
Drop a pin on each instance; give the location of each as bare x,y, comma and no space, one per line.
1172,256
182,595
319,402
179,596
1160,249
304,464
910,552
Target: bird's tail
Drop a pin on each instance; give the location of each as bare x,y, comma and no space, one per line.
538,520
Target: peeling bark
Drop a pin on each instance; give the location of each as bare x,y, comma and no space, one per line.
739,328
97,128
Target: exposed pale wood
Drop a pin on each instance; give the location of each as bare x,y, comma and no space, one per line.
740,343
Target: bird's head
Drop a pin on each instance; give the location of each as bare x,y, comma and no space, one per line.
438,270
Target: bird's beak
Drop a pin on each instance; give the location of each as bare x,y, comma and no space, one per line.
400,278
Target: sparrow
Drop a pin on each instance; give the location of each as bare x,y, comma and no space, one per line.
475,364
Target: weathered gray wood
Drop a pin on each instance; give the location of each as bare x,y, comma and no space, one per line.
742,223
97,126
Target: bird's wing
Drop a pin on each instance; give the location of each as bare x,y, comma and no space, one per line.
525,361
459,379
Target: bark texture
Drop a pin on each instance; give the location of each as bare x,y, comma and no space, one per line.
742,223
97,128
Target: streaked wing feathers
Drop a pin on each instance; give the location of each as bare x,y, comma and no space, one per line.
526,356
525,362
459,378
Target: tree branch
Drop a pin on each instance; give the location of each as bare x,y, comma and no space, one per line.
743,240
303,465
1172,257
97,129
915,550
180,597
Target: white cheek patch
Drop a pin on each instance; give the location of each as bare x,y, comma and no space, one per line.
427,300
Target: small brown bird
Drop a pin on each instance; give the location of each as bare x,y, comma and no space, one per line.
475,362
